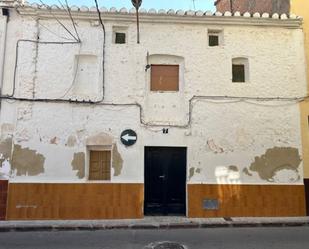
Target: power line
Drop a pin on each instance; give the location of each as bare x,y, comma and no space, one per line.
103,48
52,32
62,25
72,20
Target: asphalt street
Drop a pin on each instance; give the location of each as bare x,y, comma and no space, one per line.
210,238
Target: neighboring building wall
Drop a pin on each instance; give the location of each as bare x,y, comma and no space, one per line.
242,142
301,7
253,6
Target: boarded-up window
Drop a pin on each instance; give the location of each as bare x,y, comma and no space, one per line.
100,165
164,78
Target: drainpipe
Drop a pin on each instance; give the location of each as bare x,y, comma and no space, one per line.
3,23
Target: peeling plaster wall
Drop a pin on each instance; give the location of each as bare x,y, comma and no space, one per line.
224,138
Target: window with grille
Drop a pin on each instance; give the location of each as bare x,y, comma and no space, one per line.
215,38
120,38
164,78
100,165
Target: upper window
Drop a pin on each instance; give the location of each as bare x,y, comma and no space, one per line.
120,35
100,165
120,38
164,78
215,38
240,70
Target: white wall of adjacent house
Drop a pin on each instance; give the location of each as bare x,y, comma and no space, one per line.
233,141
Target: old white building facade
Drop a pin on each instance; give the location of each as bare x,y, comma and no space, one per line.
213,100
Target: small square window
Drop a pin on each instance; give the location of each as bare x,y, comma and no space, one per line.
100,165
215,37
164,78
213,40
239,73
120,35
120,38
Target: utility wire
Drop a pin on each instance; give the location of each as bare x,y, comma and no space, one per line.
193,2
141,111
52,32
16,59
62,25
103,48
71,17
75,75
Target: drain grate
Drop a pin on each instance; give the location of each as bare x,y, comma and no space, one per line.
165,245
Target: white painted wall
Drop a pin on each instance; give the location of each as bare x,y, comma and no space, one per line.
223,133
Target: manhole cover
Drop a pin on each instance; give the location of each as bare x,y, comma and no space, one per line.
165,245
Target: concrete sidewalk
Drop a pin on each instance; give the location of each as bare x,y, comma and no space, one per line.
150,223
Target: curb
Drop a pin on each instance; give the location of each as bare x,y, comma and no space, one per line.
188,225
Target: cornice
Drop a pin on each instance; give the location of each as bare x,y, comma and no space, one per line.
162,16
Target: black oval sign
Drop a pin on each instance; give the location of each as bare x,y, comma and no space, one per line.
128,137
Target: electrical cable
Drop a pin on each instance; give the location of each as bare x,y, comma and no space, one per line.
52,32
75,75
141,111
16,58
103,52
62,25
71,17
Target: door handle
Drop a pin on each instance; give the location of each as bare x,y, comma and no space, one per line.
162,176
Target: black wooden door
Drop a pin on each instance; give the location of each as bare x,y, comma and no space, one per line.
165,181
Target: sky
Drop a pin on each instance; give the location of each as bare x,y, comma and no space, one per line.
147,4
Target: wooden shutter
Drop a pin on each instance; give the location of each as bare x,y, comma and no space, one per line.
164,78
100,165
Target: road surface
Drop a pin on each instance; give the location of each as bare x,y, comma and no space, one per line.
210,238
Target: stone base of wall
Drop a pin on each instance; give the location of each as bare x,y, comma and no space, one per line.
33,201
247,200
3,198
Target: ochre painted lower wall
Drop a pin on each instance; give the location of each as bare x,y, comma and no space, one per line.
34,201
247,200
3,198
306,181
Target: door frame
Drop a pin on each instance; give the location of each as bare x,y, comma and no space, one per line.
186,172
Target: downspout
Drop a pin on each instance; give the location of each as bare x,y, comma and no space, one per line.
4,21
